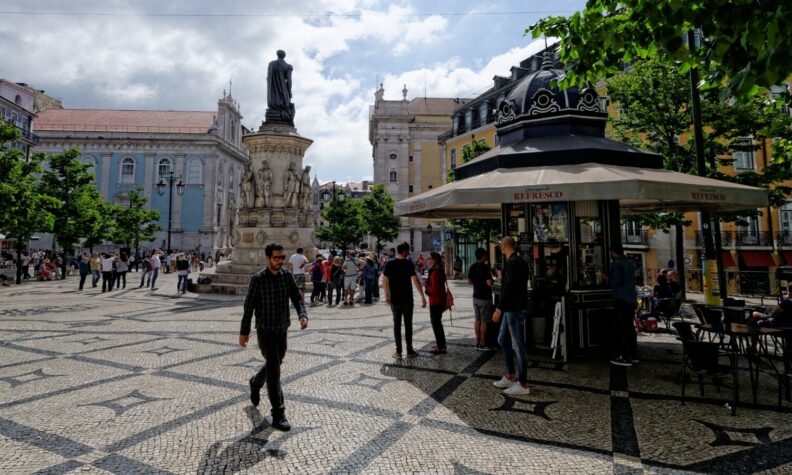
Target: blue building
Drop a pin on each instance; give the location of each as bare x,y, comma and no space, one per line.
131,148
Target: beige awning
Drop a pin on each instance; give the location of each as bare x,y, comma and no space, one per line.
639,190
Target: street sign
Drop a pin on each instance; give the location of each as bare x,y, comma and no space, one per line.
449,235
436,243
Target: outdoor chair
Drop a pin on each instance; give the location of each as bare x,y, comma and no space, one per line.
703,359
684,333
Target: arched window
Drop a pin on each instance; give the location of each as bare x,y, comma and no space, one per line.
127,170
231,178
18,100
220,175
194,172
164,168
393,176
89,161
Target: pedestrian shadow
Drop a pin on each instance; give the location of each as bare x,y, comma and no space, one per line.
242,452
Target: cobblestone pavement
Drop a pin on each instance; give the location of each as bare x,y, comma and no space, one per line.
130,382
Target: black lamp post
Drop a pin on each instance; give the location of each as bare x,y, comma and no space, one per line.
167,180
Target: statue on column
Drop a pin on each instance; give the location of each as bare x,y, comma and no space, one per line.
246,195
232,211
264,186
305,189
279,91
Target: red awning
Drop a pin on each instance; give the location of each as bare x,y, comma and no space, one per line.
788,257
757,259
728,260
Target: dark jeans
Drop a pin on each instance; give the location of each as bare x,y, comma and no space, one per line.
623,337
154,274
82,279
96,276
404,311
318,290
181,283
376,288
107,281
512,341
436,315
121,276
273,349
370,285
143,278
338,287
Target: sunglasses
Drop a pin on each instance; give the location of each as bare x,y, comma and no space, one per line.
277,258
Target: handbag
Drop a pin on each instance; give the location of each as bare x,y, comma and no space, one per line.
449,303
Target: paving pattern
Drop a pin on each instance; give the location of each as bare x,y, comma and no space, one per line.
134,382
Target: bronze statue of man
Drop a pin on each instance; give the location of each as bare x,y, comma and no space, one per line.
279,91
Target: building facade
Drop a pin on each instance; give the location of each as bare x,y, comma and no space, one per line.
130,149
18,108
407,158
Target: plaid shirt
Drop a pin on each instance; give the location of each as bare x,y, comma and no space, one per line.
268,296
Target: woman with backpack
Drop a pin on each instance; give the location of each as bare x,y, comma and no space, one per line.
369,278
436,284
182,269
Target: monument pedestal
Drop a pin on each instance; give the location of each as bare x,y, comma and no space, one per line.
275,206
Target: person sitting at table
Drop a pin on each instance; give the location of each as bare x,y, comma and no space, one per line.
673,282
781,316
661,291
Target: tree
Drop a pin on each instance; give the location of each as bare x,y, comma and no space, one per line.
25,206
135,223
743,40
345,223
475,229
71,183
98,224
378,216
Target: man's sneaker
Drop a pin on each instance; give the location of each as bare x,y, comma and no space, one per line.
503,383
255,396
488,348
412,354
620,361
479,347
397,355
281,423
516,389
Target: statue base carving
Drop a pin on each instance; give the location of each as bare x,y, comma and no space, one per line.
286,219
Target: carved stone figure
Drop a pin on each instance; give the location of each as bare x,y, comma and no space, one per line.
232,211
279,91
290,184
305,189
246,195
264,186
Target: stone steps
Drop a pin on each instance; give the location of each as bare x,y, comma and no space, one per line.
223,288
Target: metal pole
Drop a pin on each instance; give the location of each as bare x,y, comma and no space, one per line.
706,219
170,209
330,218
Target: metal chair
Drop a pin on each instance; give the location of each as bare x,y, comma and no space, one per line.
702,358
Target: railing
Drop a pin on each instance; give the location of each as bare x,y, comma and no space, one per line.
634,238
740,282
784,238
742,238
26,134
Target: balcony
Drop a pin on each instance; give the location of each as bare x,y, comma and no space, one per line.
27,136
742,238
634,238
784,239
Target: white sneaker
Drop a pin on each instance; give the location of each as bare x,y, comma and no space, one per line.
503,383
516,389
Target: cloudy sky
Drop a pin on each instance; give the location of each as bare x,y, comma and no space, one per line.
181,54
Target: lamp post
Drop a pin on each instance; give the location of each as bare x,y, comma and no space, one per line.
167,180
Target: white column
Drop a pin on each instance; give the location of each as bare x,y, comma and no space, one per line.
148,180
106,162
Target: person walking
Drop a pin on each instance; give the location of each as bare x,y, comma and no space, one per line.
108,261
182,270
96,269
156,264
317,280
336,281
512,306
369,278
480,276
145,277
396,280
297,264
25,269
351,266
622,280
268,299
85,268
436,284
327,268
123,268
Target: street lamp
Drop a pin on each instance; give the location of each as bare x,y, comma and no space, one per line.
167,180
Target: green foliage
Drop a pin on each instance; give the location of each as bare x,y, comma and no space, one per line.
25,207
71,183
345,222
135,223
378,217
744,43
98,223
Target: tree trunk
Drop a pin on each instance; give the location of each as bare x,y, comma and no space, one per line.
19,264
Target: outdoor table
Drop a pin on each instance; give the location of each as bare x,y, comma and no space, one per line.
738,332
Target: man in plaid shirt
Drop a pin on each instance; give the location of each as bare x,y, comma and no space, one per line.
268,298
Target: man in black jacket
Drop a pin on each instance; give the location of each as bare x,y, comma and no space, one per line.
268,298
513,307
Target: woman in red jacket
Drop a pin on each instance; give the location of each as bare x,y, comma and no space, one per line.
436,290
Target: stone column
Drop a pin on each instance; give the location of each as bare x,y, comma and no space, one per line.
107,160
148,179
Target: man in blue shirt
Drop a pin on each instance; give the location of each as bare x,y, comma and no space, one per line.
622,280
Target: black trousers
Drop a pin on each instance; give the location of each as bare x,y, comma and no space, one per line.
82,279
338,287
436,316
623,337
273,349
107,281
121,276
318,291
402,311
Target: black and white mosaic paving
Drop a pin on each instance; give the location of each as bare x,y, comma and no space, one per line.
135,382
